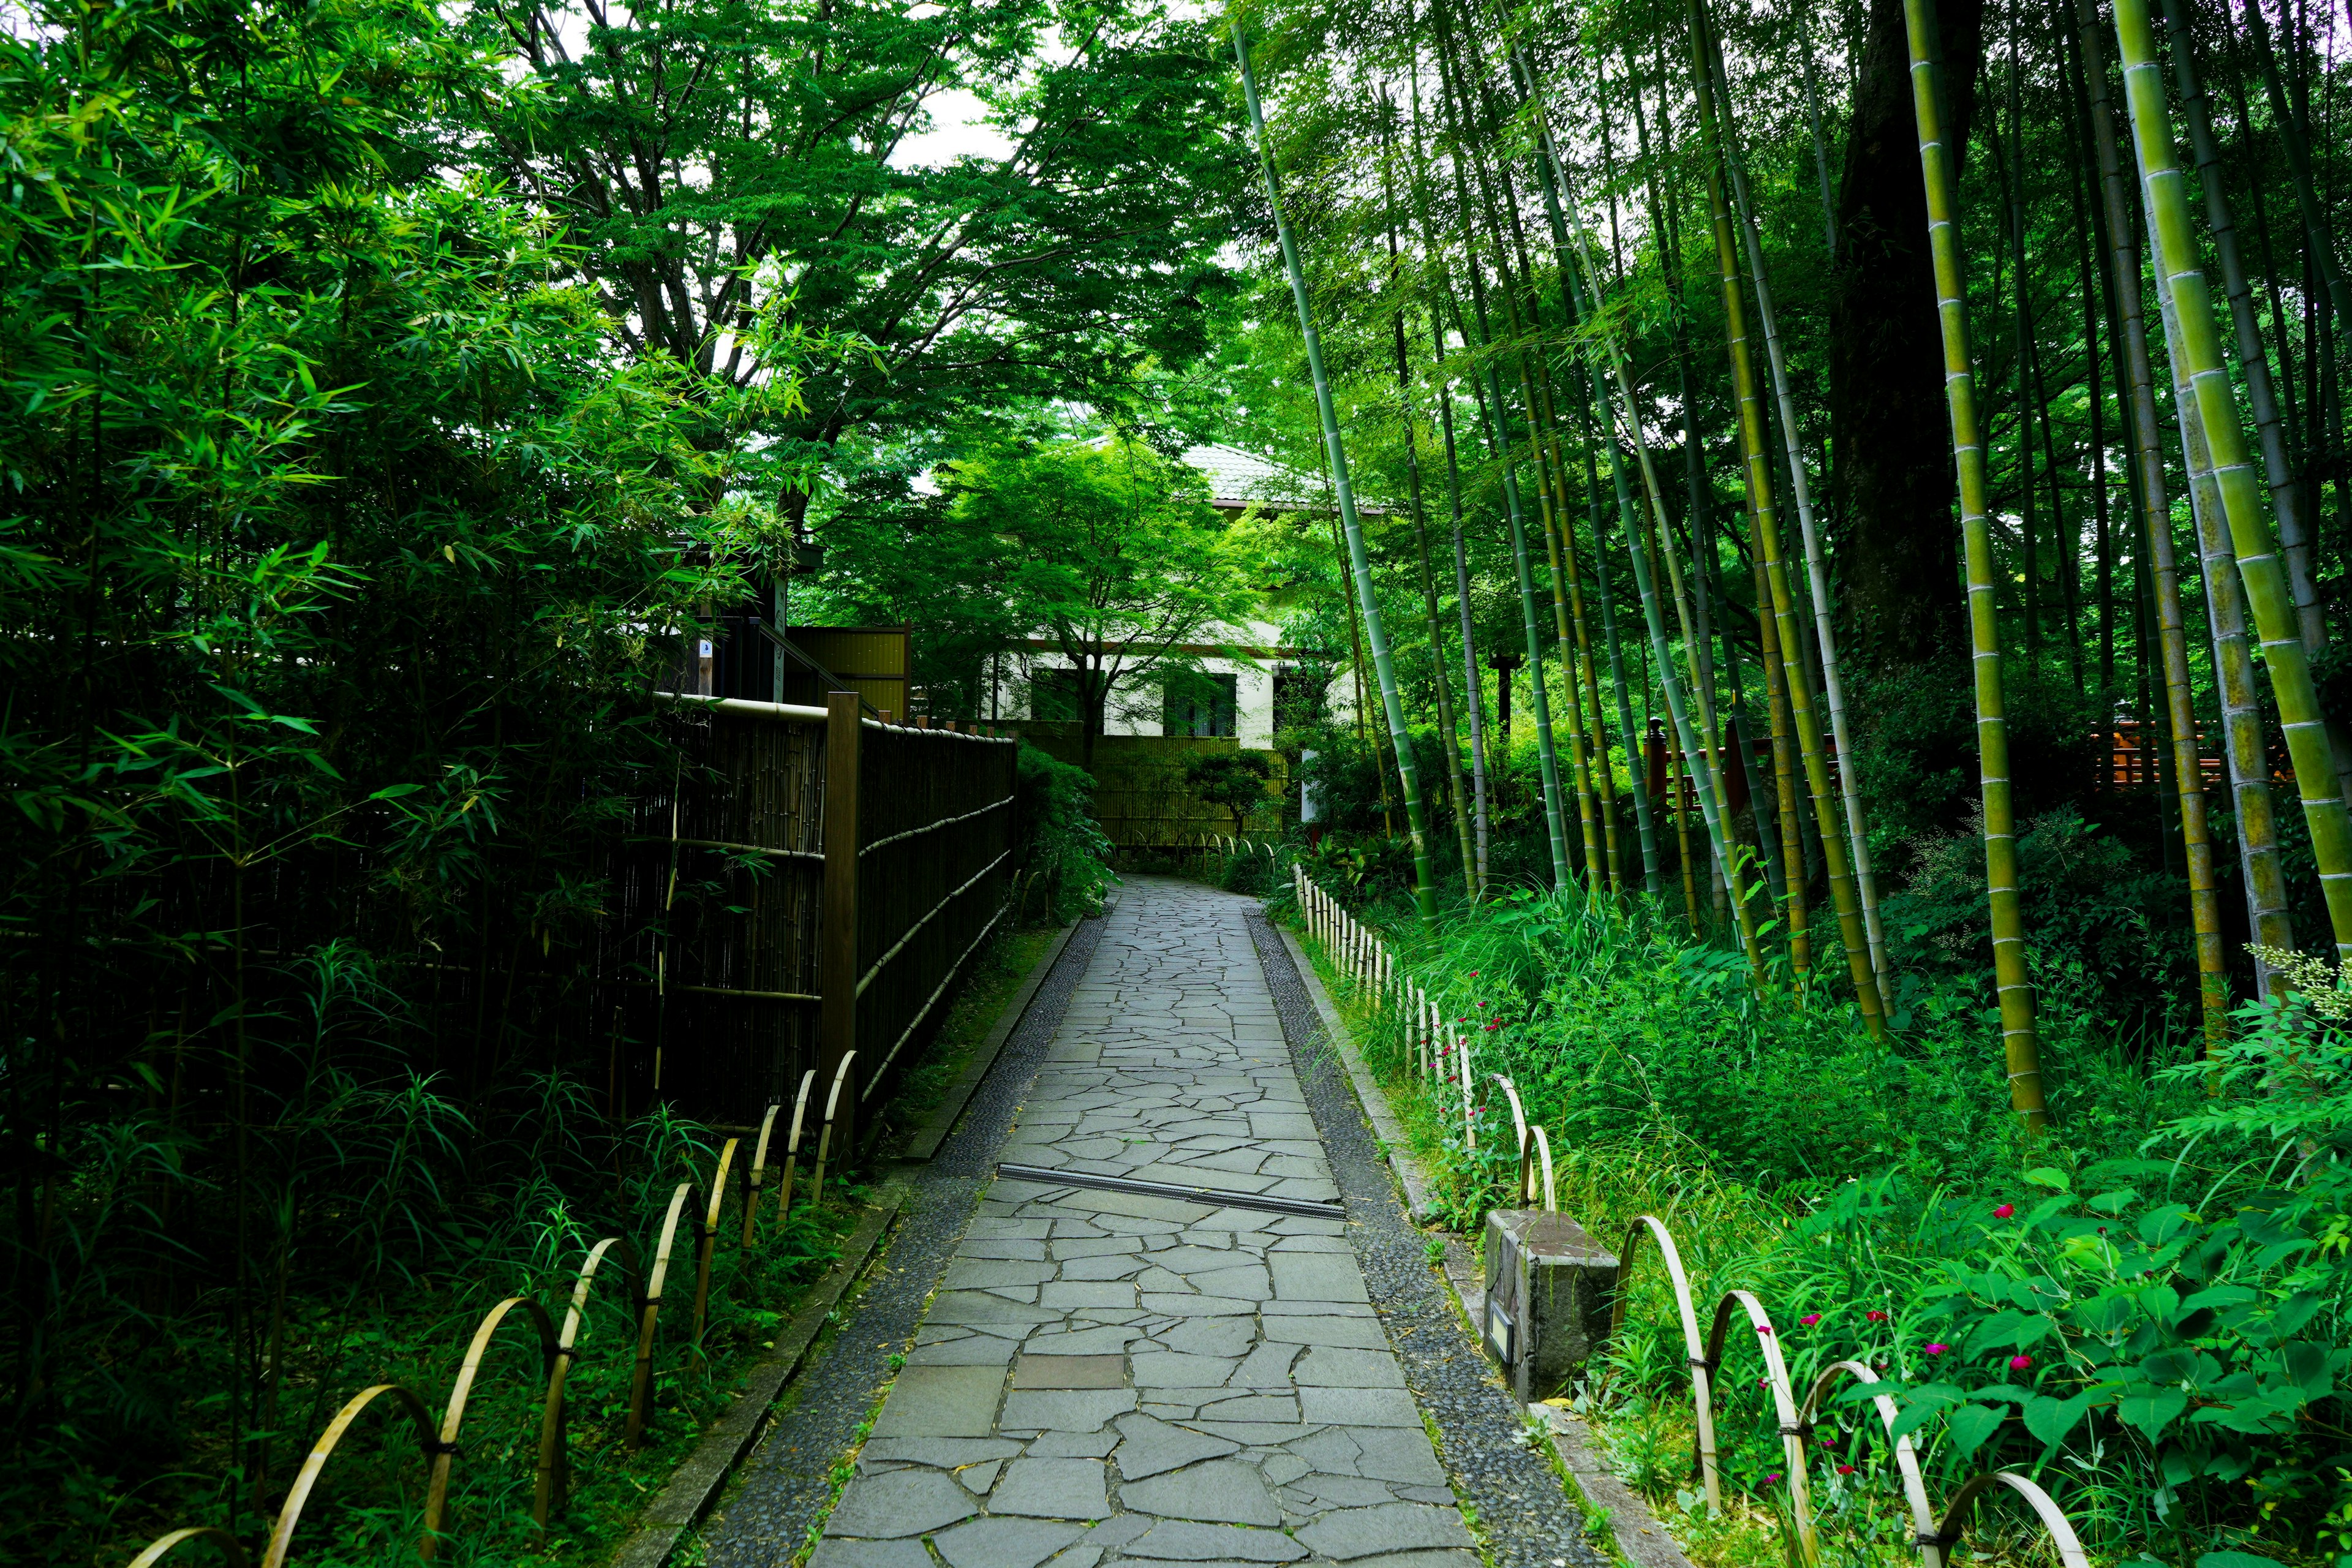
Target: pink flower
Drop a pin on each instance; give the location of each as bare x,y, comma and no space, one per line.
1763,1383
2005,1211
1938,1350
1845,1470
2019,1362
1491,1028
1771,1478
1763,1328
1810,1319
1876,1316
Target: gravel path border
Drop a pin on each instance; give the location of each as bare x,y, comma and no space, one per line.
1521,1508
786,1485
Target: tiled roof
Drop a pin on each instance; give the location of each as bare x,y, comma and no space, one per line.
1237,477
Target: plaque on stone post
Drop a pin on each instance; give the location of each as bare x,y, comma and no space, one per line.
1549,1290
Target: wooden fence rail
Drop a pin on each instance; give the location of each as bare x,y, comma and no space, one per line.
811,885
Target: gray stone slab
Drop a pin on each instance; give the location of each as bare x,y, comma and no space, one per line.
1345,1534
1035,1370
1220,1492
1052,1488
942,1402
1153,1446
834,1554
1325,1366
946,1453
1359,1407
1315,1276
1170,1369
1003,1542
1085,1410
1188,1540
902,1503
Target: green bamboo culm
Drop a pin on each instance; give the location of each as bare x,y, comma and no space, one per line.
2018,1041
1375,633
2241,483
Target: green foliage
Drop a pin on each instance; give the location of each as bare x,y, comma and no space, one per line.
1065,851
1238,781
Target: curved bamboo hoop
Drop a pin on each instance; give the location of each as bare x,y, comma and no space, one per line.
708,1240
1702,1365
1784,1400
824,1139
2054,1520
793,1145
1519,1130
282,1535
641,1379
1550,1192
161,1546
553,1485
1907,1456
1469,1130
436,1489
1933,1538
756,1177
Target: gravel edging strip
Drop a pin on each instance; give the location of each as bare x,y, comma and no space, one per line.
1634,1531
697,1482
1368,1089
925,1139
1501,1472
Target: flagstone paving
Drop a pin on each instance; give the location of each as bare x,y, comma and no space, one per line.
1107,1377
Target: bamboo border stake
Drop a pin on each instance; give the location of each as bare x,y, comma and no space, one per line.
757,1175
793,1145
649,1312
707,1239
436,1485
824,1139
282,1535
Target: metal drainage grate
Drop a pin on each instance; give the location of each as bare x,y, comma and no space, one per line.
1215,1196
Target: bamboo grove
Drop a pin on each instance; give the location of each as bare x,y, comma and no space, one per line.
1587,217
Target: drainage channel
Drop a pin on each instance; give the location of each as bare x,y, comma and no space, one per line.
1215,1196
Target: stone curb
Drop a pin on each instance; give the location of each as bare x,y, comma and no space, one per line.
1634,1531
1368,1089
1641,1539
697,1482
927,1139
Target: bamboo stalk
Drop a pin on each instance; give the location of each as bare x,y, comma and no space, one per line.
1375,634
2215,407
2021,1043
1816,567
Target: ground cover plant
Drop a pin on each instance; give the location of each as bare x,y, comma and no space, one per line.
2143,1309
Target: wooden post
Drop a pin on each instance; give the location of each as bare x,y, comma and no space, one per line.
836,1034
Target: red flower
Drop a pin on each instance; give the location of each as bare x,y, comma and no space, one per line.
1771,1478
1876,1316
1845,1470
1763,1328
1810,1319
2005,1211
1938,1350
2019,1362
1491,1028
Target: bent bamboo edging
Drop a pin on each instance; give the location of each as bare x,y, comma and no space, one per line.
1933,1538
163,1545
436,1491
641,1379
281,1536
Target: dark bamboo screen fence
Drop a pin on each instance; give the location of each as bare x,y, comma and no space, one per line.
811,884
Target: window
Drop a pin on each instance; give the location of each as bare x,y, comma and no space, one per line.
1299,696
1054,695
1201,704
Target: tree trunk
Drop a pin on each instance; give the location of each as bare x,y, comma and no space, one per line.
1892,482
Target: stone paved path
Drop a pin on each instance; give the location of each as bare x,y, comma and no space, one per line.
1105,1377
